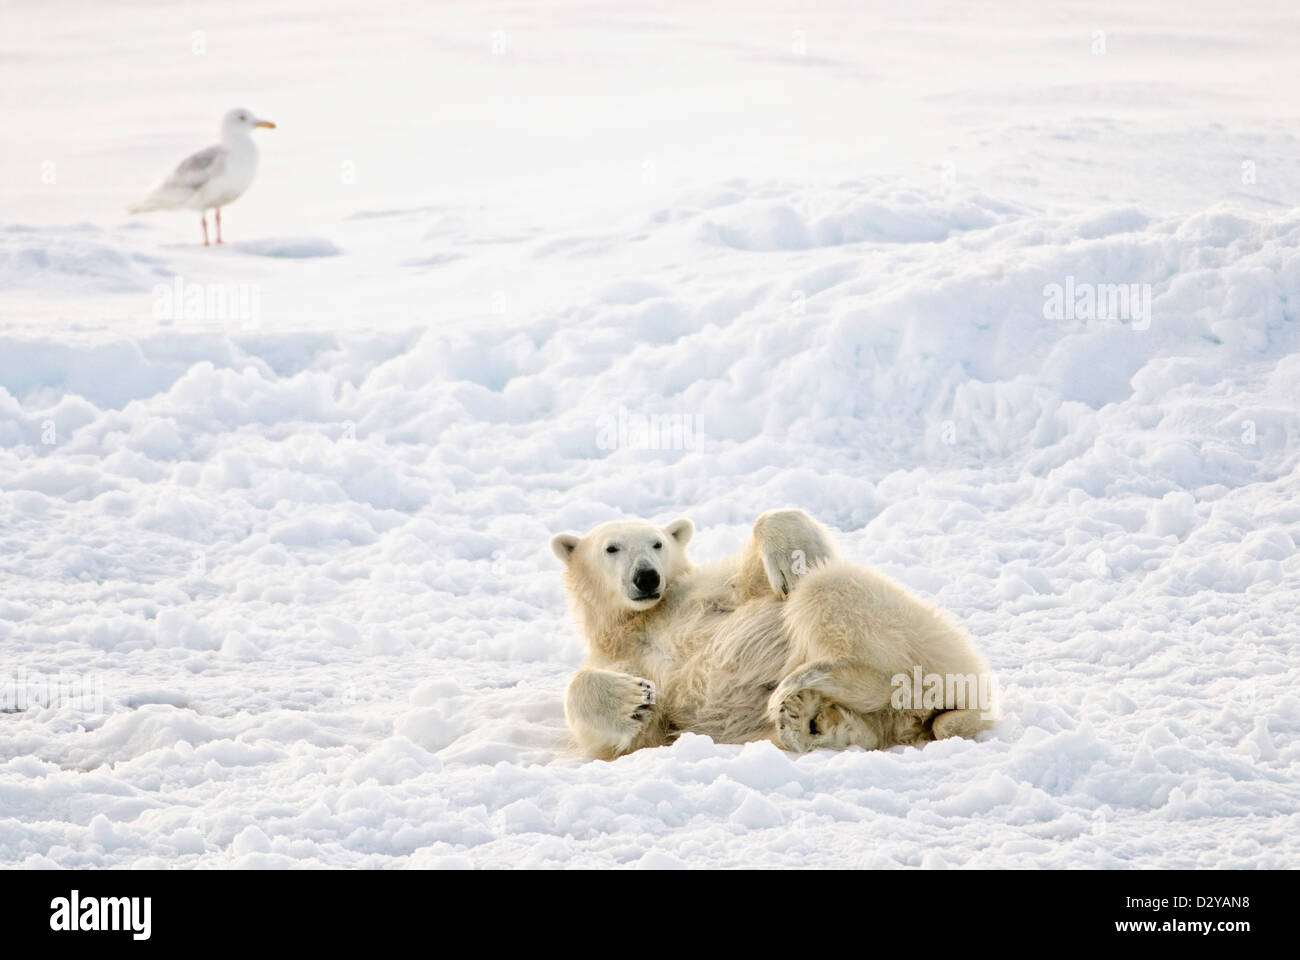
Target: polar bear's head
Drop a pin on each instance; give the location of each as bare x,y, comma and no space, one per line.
625,565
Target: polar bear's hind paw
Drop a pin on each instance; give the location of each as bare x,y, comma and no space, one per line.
806,720
790,544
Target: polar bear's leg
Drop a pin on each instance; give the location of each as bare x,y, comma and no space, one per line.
611,713
786,545
855,685
830,704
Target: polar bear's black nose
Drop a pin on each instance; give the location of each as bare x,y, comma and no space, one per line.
646,580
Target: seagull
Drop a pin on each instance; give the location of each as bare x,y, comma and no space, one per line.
214,176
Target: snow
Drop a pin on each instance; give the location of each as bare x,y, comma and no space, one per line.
293,520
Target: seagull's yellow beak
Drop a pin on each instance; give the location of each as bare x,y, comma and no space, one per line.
265,123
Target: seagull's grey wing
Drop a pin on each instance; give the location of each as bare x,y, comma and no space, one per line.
183,186
198,169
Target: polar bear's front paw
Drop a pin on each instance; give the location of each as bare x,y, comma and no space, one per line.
643,700
612,713
633,712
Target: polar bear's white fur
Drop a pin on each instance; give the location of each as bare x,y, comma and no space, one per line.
782,641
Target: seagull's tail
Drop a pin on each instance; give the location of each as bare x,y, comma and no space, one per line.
163,197
145,204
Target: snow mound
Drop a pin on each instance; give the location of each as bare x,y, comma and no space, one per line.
853,213
288,248
81,260
319,559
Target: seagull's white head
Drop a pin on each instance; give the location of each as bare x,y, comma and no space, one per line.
241,122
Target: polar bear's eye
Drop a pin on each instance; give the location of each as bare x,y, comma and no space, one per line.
659,544
611,549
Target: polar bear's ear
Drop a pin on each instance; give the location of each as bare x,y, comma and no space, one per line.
681,531
563,545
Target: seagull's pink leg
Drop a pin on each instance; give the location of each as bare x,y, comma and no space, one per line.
218,225
203,219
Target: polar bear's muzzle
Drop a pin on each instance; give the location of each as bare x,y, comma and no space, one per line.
645,584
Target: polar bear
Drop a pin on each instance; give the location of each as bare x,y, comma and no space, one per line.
782,641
